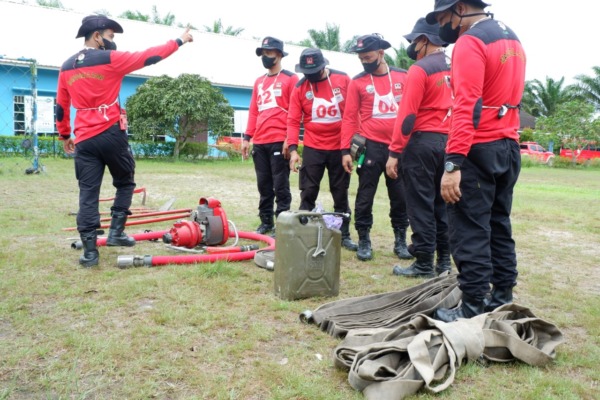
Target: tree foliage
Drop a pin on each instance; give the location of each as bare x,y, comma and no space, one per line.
572,125
329,39
156,18
588,88
50,3
181,107
217,27
541,99
401,58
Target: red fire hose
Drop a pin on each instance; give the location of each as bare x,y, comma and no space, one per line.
151,261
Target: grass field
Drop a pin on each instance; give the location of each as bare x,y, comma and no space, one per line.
217,331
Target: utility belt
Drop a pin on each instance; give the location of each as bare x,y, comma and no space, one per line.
503,109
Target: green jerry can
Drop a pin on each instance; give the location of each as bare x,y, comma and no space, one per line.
307,256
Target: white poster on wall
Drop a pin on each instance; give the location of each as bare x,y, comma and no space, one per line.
45,114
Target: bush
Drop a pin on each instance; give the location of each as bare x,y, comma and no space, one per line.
194,151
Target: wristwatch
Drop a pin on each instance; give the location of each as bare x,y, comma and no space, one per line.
451,167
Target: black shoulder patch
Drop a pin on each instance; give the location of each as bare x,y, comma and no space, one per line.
491,30
301,81
86,58
337,72
433,64
360,75
286,72
392,68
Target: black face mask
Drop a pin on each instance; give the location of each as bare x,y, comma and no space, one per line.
413,53
268,62
449,35
316,77
371,67
108,45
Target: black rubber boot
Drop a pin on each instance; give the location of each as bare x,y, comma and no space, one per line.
422,267
364,251
469,307
443,263
267,224
116,236
347,242
498,297
90,255
400,248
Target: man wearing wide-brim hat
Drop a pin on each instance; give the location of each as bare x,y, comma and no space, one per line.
420,135
90,81
371,106
318,103
483,158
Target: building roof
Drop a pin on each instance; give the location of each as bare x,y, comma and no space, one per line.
224,60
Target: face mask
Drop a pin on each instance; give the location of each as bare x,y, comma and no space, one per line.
268,62
316,77
371,67
447,34
108,45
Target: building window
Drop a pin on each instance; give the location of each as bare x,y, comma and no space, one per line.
23,114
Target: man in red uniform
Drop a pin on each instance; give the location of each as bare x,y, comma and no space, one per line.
419,140
90,81
267,128
318,102
371,107
482,154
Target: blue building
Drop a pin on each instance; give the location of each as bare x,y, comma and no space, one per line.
228,62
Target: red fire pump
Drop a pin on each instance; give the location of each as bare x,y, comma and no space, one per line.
208,226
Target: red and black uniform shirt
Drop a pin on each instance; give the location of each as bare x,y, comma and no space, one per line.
320,107
426,103
269,104
488,72
372,106
91,81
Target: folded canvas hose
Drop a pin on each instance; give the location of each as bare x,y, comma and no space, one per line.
391,364
392,348
387,310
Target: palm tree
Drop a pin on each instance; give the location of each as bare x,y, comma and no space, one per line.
588,88
401,58
542,99
135,15
50,3
217,27
329,39
168,19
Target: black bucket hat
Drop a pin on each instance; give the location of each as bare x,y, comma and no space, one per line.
443,5
311,61
422,28
93,23
370,43
271,43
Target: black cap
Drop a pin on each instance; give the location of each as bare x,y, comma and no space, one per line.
93,23
443,5
422,28
311,61
370,43
271,43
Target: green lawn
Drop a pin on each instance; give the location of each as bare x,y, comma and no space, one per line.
217,331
